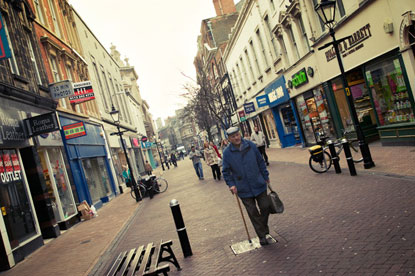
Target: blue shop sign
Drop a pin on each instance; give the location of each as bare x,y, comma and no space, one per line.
262,100
146,145
277,92
4,44
249,107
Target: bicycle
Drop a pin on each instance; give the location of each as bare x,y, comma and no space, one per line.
320,160
150,185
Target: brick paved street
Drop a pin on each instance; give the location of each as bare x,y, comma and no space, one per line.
333,224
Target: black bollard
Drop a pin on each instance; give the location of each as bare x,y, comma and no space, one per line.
181,229
349,157
334,156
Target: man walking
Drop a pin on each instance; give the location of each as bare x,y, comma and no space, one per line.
246,175
195,156
258,138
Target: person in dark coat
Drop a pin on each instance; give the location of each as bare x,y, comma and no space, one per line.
246,174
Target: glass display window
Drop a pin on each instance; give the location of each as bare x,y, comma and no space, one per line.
289,123
314,115
392,100
15,202
270,125
97,178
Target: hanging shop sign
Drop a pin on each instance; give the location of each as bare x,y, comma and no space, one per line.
242,117
249,107
144,139
277,92
146,145
61,89
262,100
352,44
74,130
4,44
298,79
82,92
41,124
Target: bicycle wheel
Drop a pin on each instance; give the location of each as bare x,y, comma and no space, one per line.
161,185
322,166
356,153
142,191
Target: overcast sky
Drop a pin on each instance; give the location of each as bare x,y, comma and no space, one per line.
158,36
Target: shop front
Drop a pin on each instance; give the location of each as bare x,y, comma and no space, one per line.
286,120
378,66
59,188
26,207
88,158
314,115
135,143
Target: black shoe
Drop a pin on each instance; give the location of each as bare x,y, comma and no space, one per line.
263,241
267,164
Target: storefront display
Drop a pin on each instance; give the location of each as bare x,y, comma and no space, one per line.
315,118
391,98
97,178
15,206
57,181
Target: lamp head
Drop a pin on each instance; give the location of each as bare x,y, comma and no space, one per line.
115,114
326,11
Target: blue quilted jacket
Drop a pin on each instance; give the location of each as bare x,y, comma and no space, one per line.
245,169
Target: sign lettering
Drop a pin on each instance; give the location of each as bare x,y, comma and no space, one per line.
74,130
82,92
299,78
351,45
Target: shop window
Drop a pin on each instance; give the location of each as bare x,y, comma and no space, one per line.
270,125
15,204
314,116
390,94
97,178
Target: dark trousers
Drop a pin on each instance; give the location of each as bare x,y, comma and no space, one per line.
259,218
215,171
263,153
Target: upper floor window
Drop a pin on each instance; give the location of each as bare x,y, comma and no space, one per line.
12,61
294,43
39,11
33,59
272,4
244,72
304,34
273,38
261,44
251,44
54,18
249,65
54,68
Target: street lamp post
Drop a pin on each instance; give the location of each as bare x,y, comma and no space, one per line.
115,116
161,161
326,11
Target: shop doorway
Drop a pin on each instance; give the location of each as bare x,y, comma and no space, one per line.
289,129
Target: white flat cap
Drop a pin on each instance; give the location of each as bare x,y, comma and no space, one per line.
232,130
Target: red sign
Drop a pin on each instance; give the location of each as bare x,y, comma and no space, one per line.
15,162
1,165
144,139
7,162
82,92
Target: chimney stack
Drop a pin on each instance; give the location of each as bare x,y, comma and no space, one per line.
223,7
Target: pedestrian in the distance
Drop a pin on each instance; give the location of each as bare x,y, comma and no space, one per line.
126,175
247,176
148,168
211,158
195,156
258,138
215,148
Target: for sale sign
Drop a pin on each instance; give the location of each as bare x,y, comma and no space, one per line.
82,92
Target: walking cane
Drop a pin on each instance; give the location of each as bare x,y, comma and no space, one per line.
243,218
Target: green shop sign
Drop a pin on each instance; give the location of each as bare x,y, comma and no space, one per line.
299,78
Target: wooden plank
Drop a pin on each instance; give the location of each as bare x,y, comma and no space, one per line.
146,258
116,263
127,261
135,261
